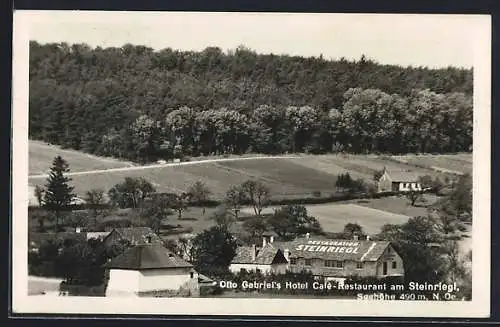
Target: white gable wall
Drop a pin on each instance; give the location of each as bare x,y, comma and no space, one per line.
130,282
123,282
164,279
236,267
265,269
390,257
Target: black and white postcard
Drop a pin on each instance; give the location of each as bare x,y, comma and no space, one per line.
270,164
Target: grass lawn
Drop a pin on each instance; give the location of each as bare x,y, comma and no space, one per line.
399,205
454,163
42,154
371,214
282,176
290,177
333,217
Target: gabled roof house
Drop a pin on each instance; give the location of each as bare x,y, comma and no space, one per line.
398,181
147,268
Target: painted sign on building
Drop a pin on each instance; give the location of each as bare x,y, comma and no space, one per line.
329,246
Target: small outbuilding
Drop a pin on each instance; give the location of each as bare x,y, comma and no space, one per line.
398,181
149,269
265,259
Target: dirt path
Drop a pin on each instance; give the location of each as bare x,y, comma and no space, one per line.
174,164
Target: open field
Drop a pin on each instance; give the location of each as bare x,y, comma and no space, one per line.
333,217
41,155
453,163
359,166
290,177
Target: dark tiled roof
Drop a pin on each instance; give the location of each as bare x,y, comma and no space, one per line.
147,256
359,250
264,256
270,233
138,235
403,176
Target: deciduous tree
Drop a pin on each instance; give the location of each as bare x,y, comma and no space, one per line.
257,193
235,196
213,250
199,193
292,221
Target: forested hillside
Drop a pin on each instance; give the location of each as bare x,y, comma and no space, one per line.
139,104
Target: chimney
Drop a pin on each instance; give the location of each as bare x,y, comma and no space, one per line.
254,252
356,237
78,229
286,253
308,235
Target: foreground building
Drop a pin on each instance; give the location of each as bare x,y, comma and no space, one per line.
332,259
266,259
149,270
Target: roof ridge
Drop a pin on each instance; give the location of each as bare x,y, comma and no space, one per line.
368,251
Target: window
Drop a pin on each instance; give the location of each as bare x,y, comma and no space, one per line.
308,262
191,274
394,265
257,271
388,250
359,265
334,264
293,261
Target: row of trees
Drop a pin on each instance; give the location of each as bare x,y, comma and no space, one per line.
134,103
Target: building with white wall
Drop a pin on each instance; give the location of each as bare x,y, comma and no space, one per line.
339,259
265,259
148,268
399,181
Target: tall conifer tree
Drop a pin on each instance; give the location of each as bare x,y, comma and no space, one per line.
59,193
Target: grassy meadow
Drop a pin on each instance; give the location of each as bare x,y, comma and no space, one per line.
41,154
287,177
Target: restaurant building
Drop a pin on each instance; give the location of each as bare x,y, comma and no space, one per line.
333,259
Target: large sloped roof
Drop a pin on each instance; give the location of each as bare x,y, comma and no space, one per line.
403,176
264,256
147,256
329,249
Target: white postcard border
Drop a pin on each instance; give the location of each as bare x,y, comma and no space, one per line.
478,307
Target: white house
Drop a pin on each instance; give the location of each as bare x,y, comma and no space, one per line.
337,259
266,259
148,268
399,181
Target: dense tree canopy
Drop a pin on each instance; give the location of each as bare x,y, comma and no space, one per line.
139,104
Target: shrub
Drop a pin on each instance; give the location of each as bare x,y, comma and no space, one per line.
82,290
316,194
